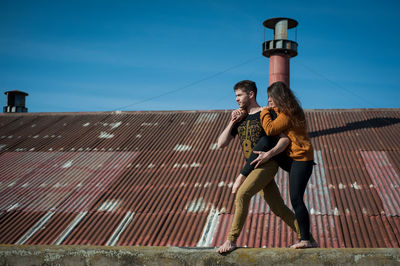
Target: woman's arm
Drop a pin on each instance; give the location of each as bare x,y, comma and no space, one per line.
274,127
265,143
264,157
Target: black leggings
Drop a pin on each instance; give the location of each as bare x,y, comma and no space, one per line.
265,143
299,174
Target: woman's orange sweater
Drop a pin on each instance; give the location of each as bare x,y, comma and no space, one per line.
300,147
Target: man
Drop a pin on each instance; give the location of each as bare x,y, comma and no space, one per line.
260,179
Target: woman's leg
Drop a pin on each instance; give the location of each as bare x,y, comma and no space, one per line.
284,161
299,175
265,143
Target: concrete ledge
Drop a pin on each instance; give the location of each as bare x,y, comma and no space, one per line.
100,255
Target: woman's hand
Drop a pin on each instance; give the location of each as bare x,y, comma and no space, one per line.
263,157
239,180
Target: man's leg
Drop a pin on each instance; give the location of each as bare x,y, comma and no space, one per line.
272,196
257,180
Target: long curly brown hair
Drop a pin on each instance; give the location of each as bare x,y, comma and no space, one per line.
287,103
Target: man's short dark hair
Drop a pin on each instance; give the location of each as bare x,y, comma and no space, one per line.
247,86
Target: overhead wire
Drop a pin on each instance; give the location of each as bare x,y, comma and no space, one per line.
335,84
189,85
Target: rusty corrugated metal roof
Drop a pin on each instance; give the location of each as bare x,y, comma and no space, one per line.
156,178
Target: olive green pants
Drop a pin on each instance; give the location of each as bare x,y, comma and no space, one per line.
261,180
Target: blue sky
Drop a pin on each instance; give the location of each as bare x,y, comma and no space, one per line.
74,56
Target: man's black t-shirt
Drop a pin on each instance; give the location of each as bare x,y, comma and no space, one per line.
249,131
252,136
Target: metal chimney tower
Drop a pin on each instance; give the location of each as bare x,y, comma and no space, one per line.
280,49
15,102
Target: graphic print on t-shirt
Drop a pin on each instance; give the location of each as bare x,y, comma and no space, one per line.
249,132
246,143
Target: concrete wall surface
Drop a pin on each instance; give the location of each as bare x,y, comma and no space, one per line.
100,255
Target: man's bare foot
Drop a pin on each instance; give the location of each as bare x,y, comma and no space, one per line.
305,244
228,246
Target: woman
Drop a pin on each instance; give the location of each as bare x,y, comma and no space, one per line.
290,121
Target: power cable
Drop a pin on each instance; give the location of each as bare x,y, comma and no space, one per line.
190,84
385,119
337,85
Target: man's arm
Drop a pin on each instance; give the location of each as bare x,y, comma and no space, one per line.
226,136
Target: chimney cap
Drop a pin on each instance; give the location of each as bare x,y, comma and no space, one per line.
271,22
16,92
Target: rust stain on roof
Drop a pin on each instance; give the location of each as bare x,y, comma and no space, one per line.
157,179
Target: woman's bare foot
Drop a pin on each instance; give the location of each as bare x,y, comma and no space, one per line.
228,246
305,244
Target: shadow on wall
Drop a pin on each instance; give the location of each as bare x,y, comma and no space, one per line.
369,123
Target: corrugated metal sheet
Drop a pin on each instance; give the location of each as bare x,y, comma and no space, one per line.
156,178
66,181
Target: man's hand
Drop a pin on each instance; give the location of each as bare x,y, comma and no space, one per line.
237,115
263,157
225,137
239,180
